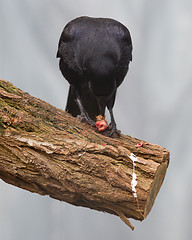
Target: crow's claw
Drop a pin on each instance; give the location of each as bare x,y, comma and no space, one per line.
84,118
115,132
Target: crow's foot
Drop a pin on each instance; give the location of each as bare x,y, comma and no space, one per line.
87,119
114,132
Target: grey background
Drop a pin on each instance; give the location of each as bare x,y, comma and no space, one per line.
154,104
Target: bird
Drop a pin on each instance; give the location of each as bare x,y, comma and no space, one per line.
94,56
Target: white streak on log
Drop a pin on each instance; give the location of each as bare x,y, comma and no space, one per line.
134,176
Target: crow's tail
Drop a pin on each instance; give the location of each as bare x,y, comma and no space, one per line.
72,106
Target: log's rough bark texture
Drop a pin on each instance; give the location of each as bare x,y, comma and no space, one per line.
47,151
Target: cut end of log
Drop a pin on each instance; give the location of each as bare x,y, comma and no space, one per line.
155,187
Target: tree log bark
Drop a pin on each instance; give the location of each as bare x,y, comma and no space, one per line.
47,151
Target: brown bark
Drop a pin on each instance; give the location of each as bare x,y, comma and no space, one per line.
47,151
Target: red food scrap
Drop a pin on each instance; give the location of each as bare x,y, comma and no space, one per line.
140,144
101,123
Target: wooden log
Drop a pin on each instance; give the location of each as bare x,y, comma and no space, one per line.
45,150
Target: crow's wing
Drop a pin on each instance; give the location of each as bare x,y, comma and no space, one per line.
66,48
123,38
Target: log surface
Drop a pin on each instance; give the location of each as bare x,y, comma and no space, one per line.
45,150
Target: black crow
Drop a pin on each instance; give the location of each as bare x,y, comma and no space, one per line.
94,58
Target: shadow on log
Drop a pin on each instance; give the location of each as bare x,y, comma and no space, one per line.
45,150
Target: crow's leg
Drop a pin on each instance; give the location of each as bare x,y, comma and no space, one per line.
113,123
84,115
